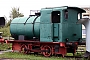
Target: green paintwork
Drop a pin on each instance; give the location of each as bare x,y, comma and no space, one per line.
48,31
70,27
29,29
46,26
58,32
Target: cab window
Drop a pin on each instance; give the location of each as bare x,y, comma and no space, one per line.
55,17
66,14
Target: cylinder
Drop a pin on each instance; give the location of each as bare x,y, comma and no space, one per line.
26,26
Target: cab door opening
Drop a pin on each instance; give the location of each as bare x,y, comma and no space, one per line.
55,25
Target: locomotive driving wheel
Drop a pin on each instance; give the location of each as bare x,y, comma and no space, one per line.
24,49
47,51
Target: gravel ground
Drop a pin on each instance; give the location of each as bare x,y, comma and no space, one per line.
1,52
11,59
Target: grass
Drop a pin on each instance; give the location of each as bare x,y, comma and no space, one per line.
16,55
5,46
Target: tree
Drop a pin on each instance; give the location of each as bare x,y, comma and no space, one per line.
15,13
8,24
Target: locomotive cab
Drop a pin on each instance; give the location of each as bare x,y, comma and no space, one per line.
71,30
59,24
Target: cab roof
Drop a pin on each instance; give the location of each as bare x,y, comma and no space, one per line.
80,10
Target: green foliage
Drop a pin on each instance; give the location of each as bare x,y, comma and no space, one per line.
15,13
5,46
8,24
6,31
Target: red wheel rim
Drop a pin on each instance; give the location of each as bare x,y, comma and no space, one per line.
24,49
47,52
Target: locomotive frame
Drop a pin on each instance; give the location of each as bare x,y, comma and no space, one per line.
47,49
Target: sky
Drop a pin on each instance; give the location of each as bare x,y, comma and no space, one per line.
27,5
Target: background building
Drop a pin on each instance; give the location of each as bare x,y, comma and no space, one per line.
87,14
